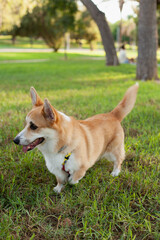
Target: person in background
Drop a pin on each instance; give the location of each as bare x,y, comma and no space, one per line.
122,55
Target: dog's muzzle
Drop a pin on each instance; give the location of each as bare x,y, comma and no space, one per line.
16,140
30,146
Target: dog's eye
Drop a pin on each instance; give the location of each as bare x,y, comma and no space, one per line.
33,126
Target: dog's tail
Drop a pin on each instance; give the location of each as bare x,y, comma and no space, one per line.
127,103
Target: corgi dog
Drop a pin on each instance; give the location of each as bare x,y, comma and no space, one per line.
70,147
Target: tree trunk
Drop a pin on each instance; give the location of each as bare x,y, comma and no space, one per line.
31,41
121,3
13,39
147,41
107,39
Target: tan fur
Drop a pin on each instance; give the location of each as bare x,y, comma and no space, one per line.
88,140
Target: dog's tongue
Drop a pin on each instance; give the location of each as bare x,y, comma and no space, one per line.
25,148
32,145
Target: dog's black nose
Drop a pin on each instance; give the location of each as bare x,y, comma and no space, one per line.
16,140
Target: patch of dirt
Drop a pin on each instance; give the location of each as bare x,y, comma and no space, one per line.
132,132
66,222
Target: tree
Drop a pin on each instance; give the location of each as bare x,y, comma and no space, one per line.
121,3
12,11
128,30
49,21
107,39
28,27
85,28
147,41
158,7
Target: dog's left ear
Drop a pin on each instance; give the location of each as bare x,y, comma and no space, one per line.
48,111
36,100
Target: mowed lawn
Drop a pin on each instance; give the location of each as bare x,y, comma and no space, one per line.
100,206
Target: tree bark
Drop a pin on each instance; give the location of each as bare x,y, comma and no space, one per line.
147,41
107,39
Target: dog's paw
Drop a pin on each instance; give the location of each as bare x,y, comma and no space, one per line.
58,188
115,173
71,181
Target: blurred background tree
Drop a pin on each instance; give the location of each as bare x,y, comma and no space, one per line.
158,21
85,28
12,11
104,29
50,21
128,31
147,40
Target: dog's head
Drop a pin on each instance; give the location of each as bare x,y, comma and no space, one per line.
42,124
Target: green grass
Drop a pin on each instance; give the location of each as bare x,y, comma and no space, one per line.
21,42
24,42
100,206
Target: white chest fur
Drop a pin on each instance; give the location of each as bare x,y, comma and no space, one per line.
54,162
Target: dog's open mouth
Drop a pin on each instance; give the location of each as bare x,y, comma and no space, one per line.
32,145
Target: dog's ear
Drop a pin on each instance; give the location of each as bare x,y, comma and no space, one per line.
36,100
49,112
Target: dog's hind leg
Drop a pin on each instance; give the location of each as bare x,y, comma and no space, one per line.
116,169
119,155
116,154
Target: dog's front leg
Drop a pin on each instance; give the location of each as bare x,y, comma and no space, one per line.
77,175
58,188
60,184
